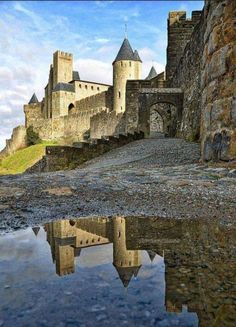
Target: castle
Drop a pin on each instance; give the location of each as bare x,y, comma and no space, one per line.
192,250
194,98
69,103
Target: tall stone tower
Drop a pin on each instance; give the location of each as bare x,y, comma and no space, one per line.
126,66
62,67
180,30
126,262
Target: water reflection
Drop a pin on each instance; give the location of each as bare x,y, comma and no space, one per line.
199,257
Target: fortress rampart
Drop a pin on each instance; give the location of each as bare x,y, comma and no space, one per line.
194,98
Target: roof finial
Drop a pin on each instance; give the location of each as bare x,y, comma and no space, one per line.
126,31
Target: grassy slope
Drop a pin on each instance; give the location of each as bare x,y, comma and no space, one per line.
22,159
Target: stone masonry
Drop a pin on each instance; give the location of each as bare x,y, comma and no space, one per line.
193,99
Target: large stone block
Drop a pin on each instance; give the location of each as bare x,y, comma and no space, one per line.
233,108
217,65
207,151
217,110
215,40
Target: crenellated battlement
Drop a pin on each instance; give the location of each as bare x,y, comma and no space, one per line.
180,30
181,17
63,54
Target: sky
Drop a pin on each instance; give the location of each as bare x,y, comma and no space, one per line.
31,31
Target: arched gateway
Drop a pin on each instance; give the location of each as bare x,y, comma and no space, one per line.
151,97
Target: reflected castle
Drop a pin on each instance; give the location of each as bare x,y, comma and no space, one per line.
193,254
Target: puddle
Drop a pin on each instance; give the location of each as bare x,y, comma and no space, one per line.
119,271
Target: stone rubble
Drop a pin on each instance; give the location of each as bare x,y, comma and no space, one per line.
150,177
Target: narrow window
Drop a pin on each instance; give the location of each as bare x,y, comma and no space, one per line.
80,86
86,86
119,94
119,234
130,64
98,88
91,87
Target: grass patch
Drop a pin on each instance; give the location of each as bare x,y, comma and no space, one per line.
21,160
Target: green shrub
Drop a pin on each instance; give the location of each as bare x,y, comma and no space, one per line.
32,137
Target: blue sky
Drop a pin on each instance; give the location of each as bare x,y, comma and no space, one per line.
30,31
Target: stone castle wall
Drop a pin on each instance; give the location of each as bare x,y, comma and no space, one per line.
96,103
180,30
71,127
17,141
187,77
218,81
106,124
207,75
84,89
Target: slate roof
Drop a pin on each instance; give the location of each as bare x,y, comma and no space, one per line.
126,274
151,74
136,56
36,230
33,99
75,76
125,52
151,254
64,87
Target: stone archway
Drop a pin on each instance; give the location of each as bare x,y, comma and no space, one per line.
156,123
172,100
163,120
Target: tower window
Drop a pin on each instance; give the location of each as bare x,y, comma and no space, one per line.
80,86
98,88
119,234
121,63
119,94
130,63
91,87
71,106
86,86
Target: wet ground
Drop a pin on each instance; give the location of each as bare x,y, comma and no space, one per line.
151,177
119,271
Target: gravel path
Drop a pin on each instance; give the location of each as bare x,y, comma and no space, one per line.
155,177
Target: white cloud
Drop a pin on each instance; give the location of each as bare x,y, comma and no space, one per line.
94,70
101,40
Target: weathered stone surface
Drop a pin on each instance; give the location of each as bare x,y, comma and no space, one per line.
17,141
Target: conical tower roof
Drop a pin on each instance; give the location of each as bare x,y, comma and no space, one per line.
136,270
125,274
125,52
151,74
33,99
151,254
136,56
36,230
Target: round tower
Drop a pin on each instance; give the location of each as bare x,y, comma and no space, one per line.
127,262
126,66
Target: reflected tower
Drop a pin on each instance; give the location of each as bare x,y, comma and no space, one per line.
127,262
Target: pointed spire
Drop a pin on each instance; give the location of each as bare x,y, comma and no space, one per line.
136,270
125,52
33,99
151,255
36,230
126,31
125,274
136,56
151,74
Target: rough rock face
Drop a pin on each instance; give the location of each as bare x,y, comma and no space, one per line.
16,142
218,81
